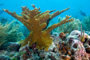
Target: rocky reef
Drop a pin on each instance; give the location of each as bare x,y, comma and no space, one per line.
75,46
40,44
64,47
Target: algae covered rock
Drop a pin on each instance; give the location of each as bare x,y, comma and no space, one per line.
73,47
5,58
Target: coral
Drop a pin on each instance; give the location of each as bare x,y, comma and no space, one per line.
74,48
62,35
4,58
36,22
6,55
9,33
85,23
33,53
67,28
10,46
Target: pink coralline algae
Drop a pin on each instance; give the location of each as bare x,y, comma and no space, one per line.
73,49
80,53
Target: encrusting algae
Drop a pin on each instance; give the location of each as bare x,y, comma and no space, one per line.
37,22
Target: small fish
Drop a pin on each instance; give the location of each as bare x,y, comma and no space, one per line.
82,13
1,4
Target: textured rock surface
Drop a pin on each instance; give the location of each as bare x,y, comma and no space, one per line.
4,58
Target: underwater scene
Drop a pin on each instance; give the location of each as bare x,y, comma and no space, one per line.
44,29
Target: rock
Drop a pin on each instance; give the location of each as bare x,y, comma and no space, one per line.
52,47
78,33
55,39
13,46
4,58
88,50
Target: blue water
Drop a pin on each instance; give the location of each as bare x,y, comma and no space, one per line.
74,11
